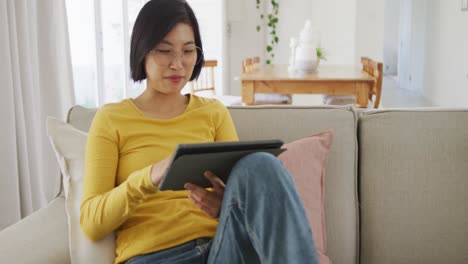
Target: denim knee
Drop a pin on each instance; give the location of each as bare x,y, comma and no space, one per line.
256,158
258,167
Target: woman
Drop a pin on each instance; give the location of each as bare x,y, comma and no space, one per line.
127,155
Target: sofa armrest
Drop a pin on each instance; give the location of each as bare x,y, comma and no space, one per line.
42,237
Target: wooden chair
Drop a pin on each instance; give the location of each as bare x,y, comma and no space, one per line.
373,68
205,85
250,64
206,79
253,64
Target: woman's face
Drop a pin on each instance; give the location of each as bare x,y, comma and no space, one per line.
170,64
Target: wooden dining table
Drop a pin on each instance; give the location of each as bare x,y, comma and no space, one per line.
327,79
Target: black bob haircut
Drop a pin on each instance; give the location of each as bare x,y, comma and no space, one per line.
155,20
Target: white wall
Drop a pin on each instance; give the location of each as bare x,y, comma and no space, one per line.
391,36
243,39
369,29
349,28
446,78
335,19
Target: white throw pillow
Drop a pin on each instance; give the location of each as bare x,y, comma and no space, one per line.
69,144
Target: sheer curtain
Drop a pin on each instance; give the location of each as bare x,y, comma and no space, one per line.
35,81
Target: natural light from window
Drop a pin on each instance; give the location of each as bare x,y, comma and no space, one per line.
100,32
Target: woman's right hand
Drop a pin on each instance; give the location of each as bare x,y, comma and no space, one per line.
159,170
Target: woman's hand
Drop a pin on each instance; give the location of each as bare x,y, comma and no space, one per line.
159,170
208,201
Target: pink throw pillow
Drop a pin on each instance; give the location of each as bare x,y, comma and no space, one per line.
305,160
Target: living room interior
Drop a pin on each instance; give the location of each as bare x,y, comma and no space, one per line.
405,169
414,40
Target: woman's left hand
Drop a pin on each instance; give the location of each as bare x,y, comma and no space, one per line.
208,201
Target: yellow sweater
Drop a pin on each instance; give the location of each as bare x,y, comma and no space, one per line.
118,193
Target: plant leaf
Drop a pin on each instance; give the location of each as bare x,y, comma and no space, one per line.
321,54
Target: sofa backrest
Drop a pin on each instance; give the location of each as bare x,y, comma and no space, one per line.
290,123
413,168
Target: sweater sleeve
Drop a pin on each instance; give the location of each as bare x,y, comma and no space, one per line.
225,130
104,205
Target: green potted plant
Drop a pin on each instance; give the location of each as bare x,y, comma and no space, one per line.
270,13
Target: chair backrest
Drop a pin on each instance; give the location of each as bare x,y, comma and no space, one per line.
375,69
250,64
206,79
256,63
247,65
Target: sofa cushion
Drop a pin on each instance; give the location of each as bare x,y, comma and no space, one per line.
39,238
305,160
69,145
413,186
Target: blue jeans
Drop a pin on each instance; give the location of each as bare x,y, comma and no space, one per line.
262,220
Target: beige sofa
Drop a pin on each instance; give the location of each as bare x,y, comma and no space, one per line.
396,185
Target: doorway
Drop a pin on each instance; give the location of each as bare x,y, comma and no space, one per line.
405,42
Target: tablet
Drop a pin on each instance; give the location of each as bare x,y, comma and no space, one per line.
190,161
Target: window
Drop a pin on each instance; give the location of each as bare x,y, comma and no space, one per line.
100,32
